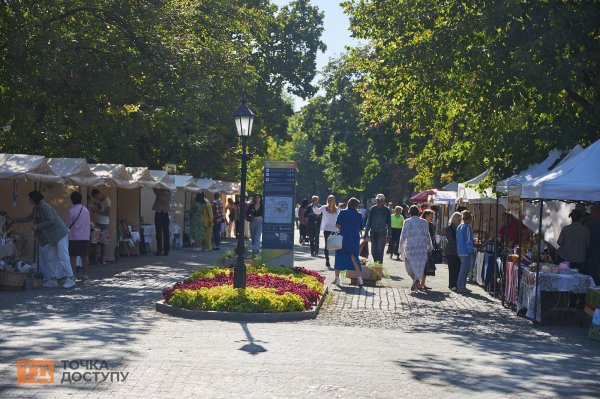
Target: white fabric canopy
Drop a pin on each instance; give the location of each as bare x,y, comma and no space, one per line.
27,167
575,179
530,173
142,176
444,197
114,175
225,187
163,179
205,184
466,192
75,171
184,182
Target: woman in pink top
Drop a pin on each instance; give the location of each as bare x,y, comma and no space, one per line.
78,221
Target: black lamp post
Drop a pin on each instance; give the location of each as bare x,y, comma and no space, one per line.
244,118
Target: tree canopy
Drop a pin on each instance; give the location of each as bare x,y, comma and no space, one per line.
149,82
467,86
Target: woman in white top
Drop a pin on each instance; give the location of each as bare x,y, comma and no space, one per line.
330,213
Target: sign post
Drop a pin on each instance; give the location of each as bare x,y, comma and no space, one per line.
278,222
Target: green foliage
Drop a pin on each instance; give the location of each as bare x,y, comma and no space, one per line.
473,85
228,299
150,82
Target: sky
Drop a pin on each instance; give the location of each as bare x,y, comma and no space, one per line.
336,35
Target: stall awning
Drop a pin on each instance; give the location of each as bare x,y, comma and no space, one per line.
184,182
574,179
75,171
142,176
422,196
530,173
229,188
114,175
444,197
467,193
27,167
205,184
163,179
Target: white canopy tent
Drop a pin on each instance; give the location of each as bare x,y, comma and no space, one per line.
114,175
467,193
27,167
142,176
184,182
163,179
205,184
575,179
530,173
75,171
224,187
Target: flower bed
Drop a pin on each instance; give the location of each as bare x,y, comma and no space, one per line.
269,289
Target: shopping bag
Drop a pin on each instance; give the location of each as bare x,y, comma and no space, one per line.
364,249
334,242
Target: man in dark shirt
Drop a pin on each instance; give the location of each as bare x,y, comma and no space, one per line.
379,224
314,226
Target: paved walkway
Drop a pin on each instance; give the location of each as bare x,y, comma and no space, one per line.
379,342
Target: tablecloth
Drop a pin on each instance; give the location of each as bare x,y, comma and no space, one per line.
549,282
512,282
7,250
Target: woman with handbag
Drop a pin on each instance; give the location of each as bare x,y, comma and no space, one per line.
452,251
350,224
329,214
303,221
78,220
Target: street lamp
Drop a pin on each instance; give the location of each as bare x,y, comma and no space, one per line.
244,118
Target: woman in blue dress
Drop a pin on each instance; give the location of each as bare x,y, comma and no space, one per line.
349,223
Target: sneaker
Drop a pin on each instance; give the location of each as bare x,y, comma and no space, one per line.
69,283
50,284
359,281
337,281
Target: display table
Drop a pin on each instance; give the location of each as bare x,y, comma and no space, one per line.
592,300
549,282
7,249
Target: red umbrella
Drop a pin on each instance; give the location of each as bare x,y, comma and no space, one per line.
422,196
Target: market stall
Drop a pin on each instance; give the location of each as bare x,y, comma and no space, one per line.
114,177
575,179
20,174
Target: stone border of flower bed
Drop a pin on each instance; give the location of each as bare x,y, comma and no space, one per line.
165,308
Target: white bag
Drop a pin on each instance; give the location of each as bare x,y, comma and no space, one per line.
334,242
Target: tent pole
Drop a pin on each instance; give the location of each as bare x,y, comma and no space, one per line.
539,261
494,246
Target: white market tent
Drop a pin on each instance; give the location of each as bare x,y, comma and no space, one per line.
142,176
444,197
75,171
163,179
530,173
114,175
205,184
575,179
27,167
467,193
224,187
184,182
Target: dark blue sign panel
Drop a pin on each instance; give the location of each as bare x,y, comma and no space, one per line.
278,221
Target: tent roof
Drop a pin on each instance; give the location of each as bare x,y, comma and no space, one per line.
75,171
423,195
467,193
575,179
530,173
142,175
225,187
28,167
163,179
185,182
205,184
114,174
452,186
444,197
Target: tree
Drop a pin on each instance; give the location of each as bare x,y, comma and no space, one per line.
149,82
470,86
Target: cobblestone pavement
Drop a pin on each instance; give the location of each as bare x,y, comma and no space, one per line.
378,342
